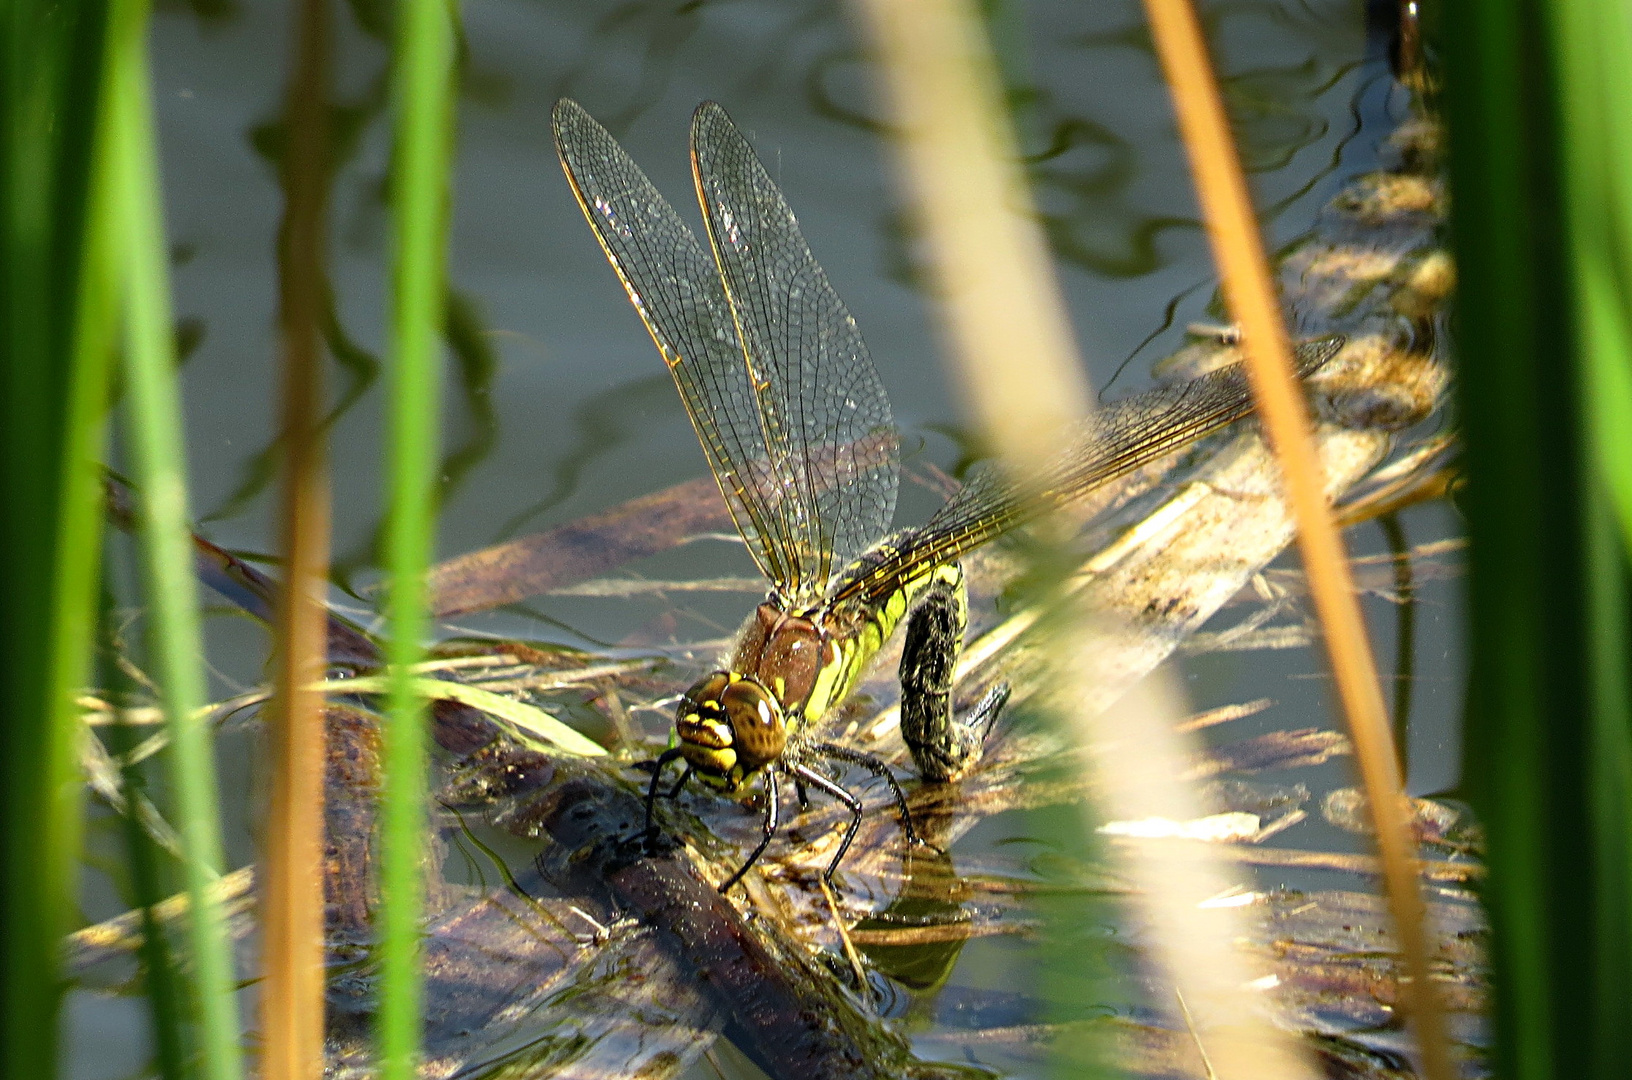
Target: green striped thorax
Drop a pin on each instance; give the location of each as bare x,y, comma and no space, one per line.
789,668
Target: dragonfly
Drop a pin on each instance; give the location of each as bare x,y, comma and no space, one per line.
797,430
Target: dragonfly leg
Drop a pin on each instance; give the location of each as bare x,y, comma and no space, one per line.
986,710
942,745
679,784
879,769
651,791
768,828
817,780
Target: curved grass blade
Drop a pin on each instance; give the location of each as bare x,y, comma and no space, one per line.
526,723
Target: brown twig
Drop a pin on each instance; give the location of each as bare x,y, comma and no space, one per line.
844,935
292,991
1190,1026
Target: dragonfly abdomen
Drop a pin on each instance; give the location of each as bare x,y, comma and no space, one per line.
858,632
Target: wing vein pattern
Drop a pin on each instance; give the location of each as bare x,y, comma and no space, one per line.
823,405
1121,437
775,379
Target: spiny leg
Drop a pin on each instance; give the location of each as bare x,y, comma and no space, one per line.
877,768
981,718
816,779
769,828
942,746
679,784
651,790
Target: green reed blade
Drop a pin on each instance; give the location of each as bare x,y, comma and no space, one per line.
1608,781
423,135
159,456
1540,207
56,326
79,531
143,858
1592,43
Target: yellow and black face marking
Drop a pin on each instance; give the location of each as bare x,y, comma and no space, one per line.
796,427
730,727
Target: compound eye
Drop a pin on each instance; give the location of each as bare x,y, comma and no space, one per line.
749,706
703,699
756,721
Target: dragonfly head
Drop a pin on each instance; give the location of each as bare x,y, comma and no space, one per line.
730,727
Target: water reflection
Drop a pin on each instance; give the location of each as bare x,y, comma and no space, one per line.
953,934
1092,167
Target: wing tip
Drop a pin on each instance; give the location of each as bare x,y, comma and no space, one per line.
566,111
1316,353
709,122
709,109
574,130
565,114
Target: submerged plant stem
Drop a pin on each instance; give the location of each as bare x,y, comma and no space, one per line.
1405,658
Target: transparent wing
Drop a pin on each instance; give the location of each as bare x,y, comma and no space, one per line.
832,448
675,286
1119,438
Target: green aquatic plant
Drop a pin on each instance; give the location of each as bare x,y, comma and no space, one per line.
423,126
1541,197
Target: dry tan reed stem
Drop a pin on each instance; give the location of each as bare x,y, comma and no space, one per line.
1249,289
292,904
1007,330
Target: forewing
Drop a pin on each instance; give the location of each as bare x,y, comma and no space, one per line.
833,447
675,287
1119,438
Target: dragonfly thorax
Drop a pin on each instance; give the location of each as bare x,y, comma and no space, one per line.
788,668
730,726
785,651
